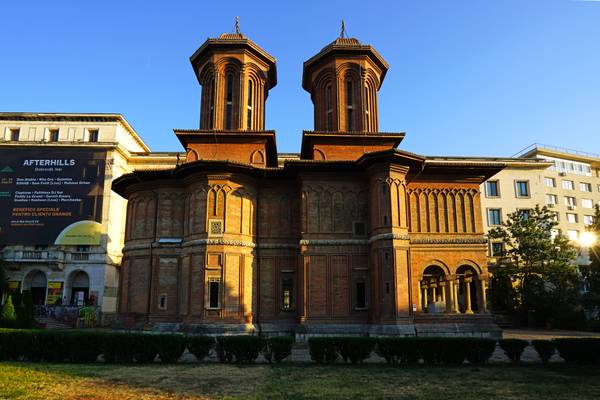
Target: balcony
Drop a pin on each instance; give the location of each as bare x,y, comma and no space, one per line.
32,255
52,256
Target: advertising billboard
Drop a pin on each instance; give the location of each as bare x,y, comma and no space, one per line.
51,196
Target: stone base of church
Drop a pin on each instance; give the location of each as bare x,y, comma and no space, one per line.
424,326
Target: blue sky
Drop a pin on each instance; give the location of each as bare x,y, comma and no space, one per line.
467,77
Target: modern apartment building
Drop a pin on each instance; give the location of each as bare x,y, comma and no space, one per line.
61,226
567,181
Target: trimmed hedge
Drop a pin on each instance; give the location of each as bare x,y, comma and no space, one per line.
86,347
323,350
479,350
119,347
241,348
513,348
278,348
580,350
200,346
399,350
544,348
355,349
170,347
145,347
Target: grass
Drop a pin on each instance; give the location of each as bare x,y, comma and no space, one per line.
295,381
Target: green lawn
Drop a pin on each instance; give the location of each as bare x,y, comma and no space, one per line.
296,381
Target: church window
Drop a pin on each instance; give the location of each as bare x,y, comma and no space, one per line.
287,292
229,102
162,302
250,103
329,102
214,292
367,108
349,106
360,300
211,104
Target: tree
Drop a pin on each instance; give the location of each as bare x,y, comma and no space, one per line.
591,297
3,278
8,316
538,261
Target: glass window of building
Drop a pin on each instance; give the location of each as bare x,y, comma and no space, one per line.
570,201
491,189
585,187
494,216
497,249
522,188
14,135
551,199
550,182
568,185
572,218
587,203
588,220
53,135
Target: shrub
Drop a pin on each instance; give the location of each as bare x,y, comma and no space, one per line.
118,347
399,350
278,348
145,347
323,350
241,348
431,349
15,343
354,349
200,346
580,350
48,346
170,347
513,348
82,347
479,350
544,348
8,316
25,311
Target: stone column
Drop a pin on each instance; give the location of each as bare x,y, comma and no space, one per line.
483,296
455,284
468,294
433,292
443,286
424,287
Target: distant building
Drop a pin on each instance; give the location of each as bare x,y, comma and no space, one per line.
61,226
567,181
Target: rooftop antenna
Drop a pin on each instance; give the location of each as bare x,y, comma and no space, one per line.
343,30
237,25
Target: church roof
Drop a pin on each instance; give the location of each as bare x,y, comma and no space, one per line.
347,47
232,41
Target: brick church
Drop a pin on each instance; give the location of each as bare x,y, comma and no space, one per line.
350,236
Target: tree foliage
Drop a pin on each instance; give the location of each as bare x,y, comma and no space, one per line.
3,277
538,263
591,297
8,316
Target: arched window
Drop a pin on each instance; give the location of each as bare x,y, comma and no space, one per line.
349,106
367,108
229,102
211,103
329,103
250,103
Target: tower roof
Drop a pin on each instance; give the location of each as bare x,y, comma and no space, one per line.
343,46
231,42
